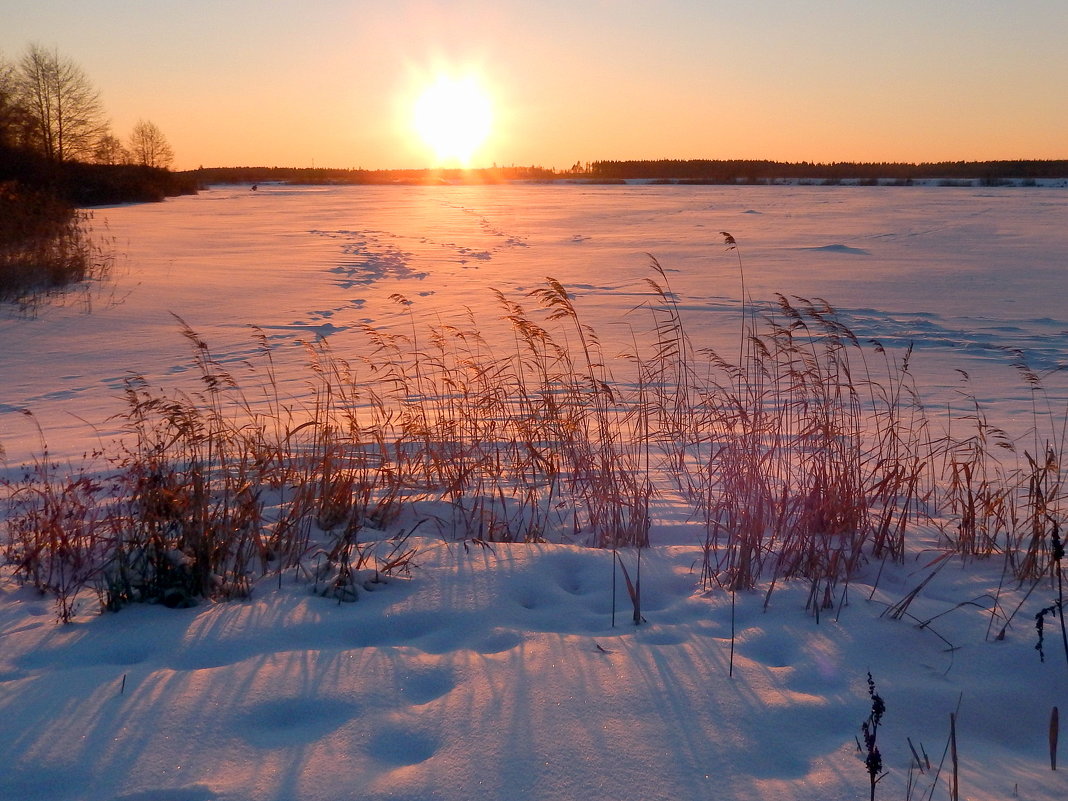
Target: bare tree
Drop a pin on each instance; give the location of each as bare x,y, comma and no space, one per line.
12,117
148,146
64,110
110,150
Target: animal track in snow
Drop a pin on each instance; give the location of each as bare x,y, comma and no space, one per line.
497,641
285,722
401,745
421,685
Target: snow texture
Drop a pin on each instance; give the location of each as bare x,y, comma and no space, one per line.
497,673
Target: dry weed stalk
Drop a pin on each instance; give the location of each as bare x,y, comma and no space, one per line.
807,456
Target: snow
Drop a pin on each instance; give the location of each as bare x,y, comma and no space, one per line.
496,672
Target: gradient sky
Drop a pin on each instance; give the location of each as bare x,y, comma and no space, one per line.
332,82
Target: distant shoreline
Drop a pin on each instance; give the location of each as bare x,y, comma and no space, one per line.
959,183
669,172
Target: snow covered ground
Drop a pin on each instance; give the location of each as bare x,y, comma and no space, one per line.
496,672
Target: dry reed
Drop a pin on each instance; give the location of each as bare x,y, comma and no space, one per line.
808,456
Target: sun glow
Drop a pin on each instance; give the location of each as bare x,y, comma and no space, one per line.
454,117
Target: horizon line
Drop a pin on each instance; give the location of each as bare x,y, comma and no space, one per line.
664,160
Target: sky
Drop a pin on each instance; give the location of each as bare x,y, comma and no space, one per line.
334,83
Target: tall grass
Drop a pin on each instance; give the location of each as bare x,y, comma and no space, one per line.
803,459
45,247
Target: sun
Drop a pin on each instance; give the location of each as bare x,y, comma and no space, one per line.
453,116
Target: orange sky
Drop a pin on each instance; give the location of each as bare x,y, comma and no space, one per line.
333,82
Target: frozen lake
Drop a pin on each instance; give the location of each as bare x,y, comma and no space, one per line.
962,273
499,672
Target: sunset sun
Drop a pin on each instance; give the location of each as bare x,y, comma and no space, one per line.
453,117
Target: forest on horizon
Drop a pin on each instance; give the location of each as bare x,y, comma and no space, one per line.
687,171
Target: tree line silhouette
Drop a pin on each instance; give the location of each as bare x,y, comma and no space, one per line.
764,171
57,153
55,138
678,171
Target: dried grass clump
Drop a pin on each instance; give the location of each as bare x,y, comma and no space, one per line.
58,530
45,248
804,457
797,458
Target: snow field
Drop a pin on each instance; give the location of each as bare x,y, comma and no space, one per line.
495,672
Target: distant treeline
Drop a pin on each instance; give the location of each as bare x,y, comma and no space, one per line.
745,171
698,171
82,184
